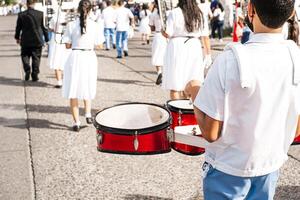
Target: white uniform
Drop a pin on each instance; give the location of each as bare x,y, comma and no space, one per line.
258,99
58,54
159,44
144,24
183,58
206,13
80,77
100,23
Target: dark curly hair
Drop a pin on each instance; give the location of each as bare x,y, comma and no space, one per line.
192,14
84,8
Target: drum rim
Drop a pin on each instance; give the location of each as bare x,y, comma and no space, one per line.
175,109
142,131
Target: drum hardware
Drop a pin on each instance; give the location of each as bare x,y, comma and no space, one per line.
170,134
99,137
136,141
180,118
194,131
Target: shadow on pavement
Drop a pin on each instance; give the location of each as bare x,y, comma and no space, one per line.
135,82
20,82
287,192
9,56
33,123
143,197
42,108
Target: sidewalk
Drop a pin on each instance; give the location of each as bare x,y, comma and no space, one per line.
36,128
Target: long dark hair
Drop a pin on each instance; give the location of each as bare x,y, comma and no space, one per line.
192,14
293,29
155,6
84,8
145,8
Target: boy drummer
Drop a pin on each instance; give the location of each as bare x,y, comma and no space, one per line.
248,108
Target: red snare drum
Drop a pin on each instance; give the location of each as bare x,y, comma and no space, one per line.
296,140
134,128
183,114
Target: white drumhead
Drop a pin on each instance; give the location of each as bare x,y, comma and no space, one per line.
182,104
132,116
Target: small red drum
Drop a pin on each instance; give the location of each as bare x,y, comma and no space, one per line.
182,112
133,128
296,140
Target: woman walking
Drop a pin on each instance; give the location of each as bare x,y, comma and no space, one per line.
144,28
80,79
183,59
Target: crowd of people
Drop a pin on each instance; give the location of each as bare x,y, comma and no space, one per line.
247,105
10,9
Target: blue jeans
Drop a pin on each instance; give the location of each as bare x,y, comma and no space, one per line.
122,42
109,34
222,186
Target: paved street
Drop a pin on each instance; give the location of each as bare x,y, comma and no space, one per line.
41,158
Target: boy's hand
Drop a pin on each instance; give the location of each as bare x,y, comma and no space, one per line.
192,89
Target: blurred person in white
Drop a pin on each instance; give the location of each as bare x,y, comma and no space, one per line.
109,17
144,27
124,18
207,15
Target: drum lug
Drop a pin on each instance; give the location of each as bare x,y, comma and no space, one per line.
170,134
136,141
99,137
179,118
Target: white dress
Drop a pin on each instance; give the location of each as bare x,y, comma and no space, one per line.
100,22
183,58
159,43
58,54
80,77
144,24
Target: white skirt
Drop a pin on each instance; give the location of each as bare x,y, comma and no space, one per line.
182,63
144,27
159,46
58,55
80,76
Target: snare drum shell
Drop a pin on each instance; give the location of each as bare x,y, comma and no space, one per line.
145,144
296,141
187,149
186,119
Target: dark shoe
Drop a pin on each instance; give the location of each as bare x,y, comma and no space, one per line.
107,49
114,46
76,128
27,76
125,53
148,41
89,120
58,86
34,77
159,78
119,57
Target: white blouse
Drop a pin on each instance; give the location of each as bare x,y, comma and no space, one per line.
87,40
176,25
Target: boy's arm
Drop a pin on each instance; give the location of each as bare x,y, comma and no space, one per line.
210,128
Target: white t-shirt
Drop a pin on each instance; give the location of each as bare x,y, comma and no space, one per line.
123,18
109,17
259,122
218,13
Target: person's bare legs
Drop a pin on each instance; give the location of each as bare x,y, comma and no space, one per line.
75,113
148,38
88,111
58,75
143,39
207,51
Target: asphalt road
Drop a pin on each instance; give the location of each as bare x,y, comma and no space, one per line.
41,158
